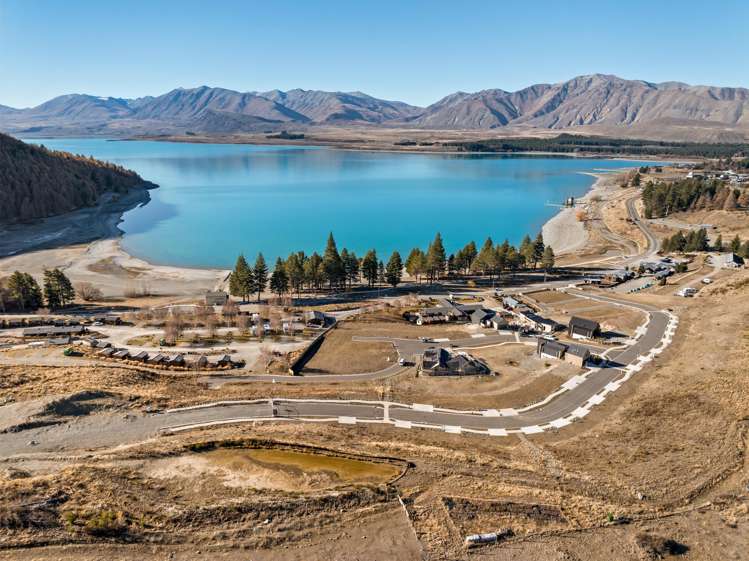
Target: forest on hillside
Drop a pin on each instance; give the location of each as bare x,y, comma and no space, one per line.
36,182
662,199
571,143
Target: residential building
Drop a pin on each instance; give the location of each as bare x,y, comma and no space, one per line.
726,260
581,328
216,298
442,362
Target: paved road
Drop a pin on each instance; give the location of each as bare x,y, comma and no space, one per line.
572,401
651,248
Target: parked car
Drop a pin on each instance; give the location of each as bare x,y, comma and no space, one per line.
707,280
97,324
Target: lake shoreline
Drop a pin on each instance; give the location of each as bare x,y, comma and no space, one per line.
103,261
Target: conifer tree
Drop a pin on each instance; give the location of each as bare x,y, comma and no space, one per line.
260,275
279,281
394,270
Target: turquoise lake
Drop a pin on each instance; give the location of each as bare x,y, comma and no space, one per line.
217,200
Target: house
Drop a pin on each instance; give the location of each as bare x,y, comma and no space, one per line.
499,321
510,303
441,362
177,360
313,318
550,349
224,360
157,359
617,277
107,319
216,298
54,331
726,260
108,352
121,354
140,357
439,314
535,322
480,316
196,362
577,355
581,328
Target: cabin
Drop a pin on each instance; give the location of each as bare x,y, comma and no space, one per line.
121,354
64,340
216,298
577,355
510,303
581,328
196,362
106,319
224,360
550,349
157,359
107,352
441,362
480,316
54,331
617,277
140,357
177,360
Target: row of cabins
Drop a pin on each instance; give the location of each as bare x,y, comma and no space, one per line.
161,359
42,321
574,354
311,318
438,361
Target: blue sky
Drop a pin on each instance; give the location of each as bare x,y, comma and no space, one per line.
412,51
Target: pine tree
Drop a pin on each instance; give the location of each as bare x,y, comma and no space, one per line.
538,249
295,271
313,270
486,259
279,281
527,250
547,260
394,270
436,258
736,244
369,266
24,291
381,272
332,263
51,290
719,243
260,275
241,281
416,263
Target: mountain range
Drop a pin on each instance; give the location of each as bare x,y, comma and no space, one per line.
597,103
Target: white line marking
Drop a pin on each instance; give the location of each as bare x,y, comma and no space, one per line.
508,412
490,413
347,420
559,423
498,432
580,412
596,399
423,407
534,429
452,430
403,424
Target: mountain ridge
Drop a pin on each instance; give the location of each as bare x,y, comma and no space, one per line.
594,101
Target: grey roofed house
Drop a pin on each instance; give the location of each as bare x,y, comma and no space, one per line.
585,328
121,354
157,359
141,356
479,315
537,322
552,349
109,351
216,298
441,362
510,302
176,360
577,354
193,361
53,331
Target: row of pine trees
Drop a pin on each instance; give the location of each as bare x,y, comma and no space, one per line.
662,199
22,293
341,270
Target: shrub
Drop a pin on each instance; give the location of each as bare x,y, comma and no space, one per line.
88,292
106,523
